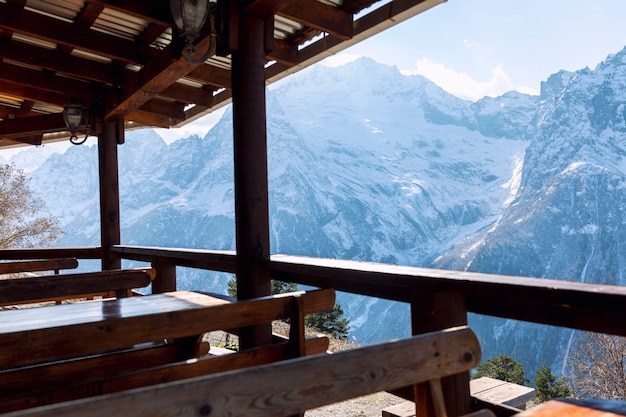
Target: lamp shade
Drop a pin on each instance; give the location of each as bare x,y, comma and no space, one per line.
73,116
189,15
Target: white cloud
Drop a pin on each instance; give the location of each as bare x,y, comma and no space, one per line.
462,85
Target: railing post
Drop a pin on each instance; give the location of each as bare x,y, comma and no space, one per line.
431,311
165,279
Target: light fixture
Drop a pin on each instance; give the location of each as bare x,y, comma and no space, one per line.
73,115
190,17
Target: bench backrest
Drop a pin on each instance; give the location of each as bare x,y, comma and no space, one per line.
78,285
37,265
48,371
291,387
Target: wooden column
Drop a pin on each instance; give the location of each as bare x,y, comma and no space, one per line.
165,279
250,153
431,311
109,195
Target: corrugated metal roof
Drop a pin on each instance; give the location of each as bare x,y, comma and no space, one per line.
112,64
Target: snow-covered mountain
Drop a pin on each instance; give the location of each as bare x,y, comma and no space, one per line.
369,164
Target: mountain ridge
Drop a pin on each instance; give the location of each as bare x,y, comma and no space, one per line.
368,164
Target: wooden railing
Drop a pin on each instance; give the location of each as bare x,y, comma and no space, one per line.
439,299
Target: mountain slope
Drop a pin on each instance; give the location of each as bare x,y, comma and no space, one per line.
368,164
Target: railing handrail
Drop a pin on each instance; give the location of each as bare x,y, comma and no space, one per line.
583,306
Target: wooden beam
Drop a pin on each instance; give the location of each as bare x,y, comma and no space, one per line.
188,95
72,35
149,119
34,125
210,74
157,75
261,8
321,16
49,82
284,52
7,112
31,93
59,62
157,12
172,110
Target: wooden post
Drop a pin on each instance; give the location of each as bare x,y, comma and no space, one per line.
109,195
165,279
432,311
250,154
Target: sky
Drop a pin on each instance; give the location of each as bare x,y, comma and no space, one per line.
477,48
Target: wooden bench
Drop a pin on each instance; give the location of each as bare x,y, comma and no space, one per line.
290,387
37,265
72,351
42,288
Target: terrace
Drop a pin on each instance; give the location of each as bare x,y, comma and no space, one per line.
120,65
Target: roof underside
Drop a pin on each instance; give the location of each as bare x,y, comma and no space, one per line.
121,58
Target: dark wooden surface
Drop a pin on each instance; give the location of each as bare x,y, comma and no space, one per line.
38,265
61,332
55,287
290,387
584,306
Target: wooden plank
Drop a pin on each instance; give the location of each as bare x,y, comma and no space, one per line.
14,267
293,386
584,306
67,285
72,35
223,261
323,17
67,331
70,380
83,252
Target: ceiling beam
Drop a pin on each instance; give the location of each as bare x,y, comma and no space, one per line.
47,81
323,17
72,35
261,8
284,52
188,95
32,126
58,61
149,119
157,12
7,112
210,74
163,71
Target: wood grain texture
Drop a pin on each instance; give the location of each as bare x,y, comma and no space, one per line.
44,287
67,331
290,387
38,265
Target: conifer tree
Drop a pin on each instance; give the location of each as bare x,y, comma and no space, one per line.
549,387
504,368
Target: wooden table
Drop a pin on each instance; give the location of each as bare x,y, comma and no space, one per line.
577,408
61,332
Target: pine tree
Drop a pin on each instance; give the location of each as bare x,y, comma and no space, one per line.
548,387
330,322
504,368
